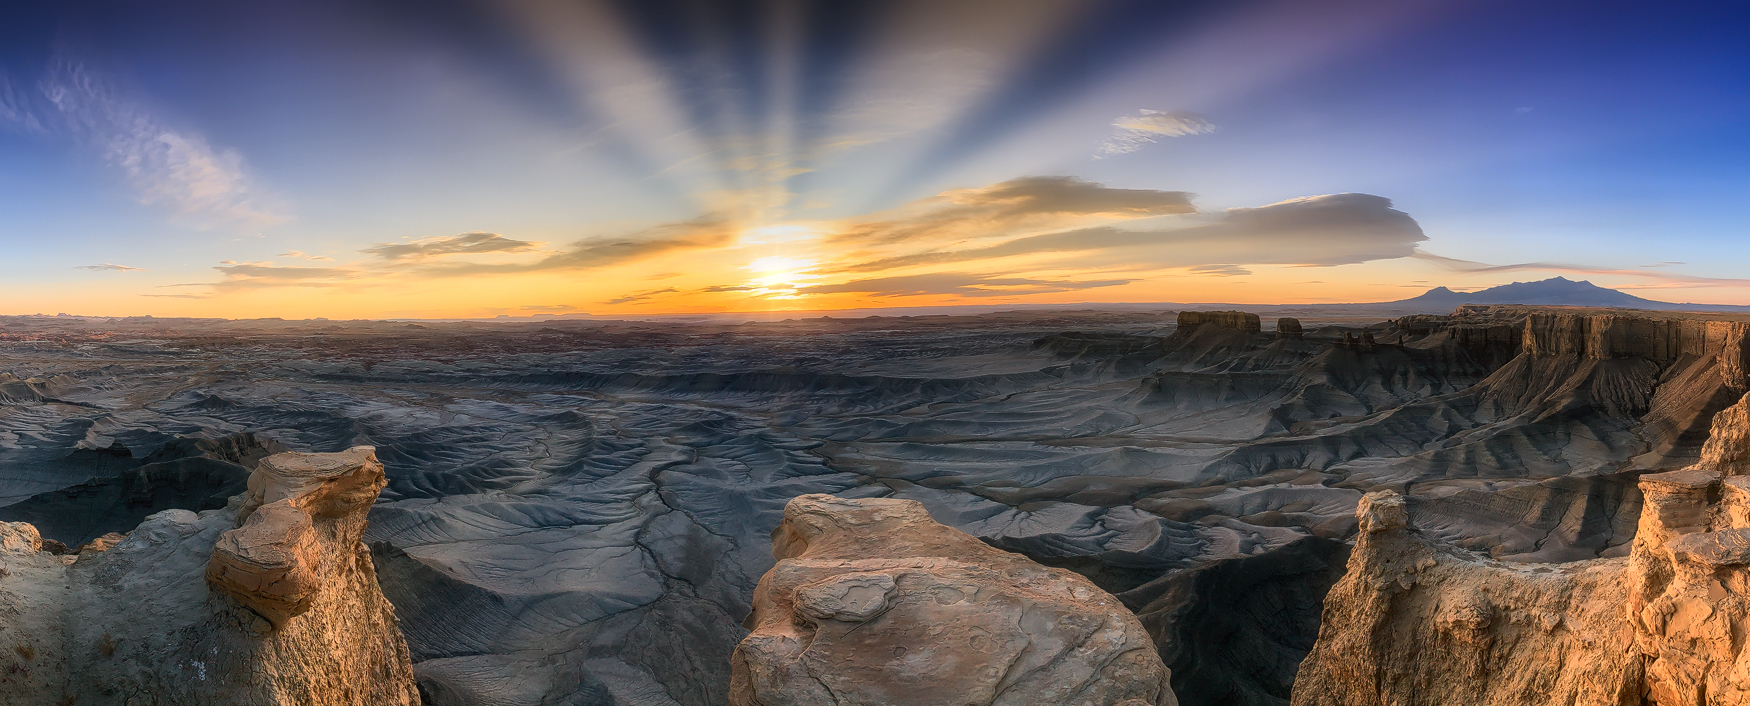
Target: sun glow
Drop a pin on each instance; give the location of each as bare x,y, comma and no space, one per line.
780,277
782,233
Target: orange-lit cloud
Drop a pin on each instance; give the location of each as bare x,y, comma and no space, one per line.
1032,239
473,243
1001,209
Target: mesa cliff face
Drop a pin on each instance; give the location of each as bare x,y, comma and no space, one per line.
271,601
1662,626
873,602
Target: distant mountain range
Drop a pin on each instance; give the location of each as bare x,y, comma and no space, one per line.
1556,291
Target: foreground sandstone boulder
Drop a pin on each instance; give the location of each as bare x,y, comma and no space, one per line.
873,602
272,601
1416,621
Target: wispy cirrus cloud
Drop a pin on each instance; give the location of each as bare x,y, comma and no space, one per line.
110,267
15,112
1135,132
167,166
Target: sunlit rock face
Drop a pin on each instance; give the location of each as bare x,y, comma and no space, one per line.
274,601
872,601
1662,626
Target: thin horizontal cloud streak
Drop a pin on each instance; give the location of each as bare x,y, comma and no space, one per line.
430,257
260,275
472,243
110,267
641,296
699,233
1027,201
1220,270
1328,230
959,284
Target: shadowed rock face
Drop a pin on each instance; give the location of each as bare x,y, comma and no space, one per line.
1234,632
874,602
1236,320
293,614
1288,328
185,474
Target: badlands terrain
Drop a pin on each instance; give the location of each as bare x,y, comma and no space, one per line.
578,512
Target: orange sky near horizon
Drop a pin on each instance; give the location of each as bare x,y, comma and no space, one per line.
803,267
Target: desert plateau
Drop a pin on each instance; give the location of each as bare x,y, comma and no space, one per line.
874,353
580,513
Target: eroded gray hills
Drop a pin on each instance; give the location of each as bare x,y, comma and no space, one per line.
579,512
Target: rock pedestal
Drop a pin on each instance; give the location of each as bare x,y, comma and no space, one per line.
272,601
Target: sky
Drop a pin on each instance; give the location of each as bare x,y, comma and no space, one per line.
478,158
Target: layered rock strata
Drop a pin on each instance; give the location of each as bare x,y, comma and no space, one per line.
873,602
1418,621
271,601
1237,320
1288,328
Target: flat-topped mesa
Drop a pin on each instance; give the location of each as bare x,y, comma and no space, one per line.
1236,320
273,600
874,602
1662,339
1288,329
1469,329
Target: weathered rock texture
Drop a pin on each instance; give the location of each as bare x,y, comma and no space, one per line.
194,609
873,602
1662,627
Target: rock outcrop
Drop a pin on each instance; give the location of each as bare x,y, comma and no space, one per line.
873,602
271,601
1288,328
1236,320
1663,626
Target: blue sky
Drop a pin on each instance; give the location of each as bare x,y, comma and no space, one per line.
256,159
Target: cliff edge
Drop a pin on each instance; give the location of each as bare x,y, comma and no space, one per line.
273,600
1417,621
